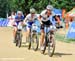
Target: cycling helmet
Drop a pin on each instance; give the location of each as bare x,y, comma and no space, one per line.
19,12
32,10
49,7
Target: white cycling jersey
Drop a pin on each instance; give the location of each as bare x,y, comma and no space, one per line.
29,18
45,17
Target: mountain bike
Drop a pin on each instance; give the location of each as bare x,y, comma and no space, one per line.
18,37
33,38
49,40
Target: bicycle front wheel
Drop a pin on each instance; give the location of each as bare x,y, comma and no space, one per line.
51,46
19,40
29,46
34,42
16,39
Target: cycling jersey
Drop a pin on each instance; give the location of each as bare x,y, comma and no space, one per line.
46,20
29,24
18,19
30,19
45,17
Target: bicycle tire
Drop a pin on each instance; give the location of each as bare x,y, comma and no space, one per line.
29,47
16,42
45,44
19,43
53,48
16,39
20,40
35,42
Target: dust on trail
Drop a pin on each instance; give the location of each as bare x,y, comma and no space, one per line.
9,52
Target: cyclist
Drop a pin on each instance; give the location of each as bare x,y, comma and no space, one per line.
46,19
30,19
18,18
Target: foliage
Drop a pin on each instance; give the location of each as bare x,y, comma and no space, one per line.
3,5
25,5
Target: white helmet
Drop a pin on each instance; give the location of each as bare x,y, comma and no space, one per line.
50,7
32,10
19,12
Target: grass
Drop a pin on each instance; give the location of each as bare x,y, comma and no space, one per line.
61,37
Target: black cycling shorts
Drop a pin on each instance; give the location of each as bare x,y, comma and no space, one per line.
45,23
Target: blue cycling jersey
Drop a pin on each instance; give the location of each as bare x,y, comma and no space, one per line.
19,18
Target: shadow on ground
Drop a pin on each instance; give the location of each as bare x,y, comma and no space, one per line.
57,54
61,54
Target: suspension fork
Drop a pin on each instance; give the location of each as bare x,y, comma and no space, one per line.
51,36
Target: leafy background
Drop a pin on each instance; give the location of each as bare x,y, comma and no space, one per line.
25,5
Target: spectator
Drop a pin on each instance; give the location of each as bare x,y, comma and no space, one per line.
11,18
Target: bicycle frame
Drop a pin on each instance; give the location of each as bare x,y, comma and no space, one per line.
32,32
19,35
19,29
48,31
32,36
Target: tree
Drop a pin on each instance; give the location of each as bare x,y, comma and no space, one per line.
3,8
39,5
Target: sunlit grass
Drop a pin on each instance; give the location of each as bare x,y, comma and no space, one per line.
62,37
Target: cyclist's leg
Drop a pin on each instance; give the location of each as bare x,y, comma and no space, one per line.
42,31
28,28
28,31
14,30
42,37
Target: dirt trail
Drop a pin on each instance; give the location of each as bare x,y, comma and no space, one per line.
8,51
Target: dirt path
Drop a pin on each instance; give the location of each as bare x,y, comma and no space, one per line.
8,51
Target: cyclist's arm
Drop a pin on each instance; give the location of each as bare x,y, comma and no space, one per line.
39,18
25,20
58,19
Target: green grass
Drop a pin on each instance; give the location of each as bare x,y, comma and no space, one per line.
61,37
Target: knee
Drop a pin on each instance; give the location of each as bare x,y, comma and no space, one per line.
28,31
42,34
15,29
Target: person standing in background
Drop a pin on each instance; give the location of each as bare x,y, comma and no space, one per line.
11,19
